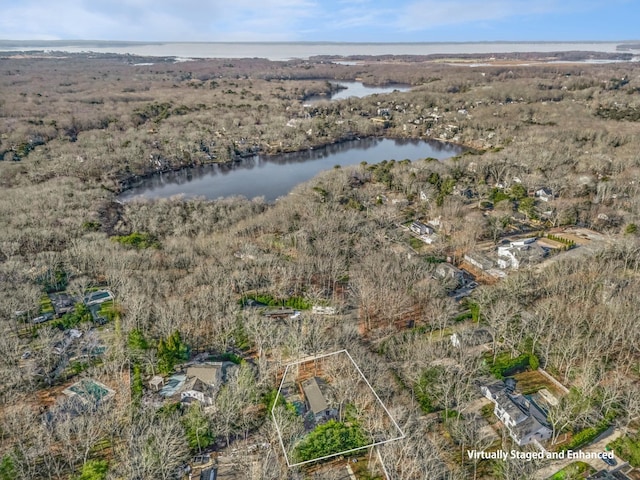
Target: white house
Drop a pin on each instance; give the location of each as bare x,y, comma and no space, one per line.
471,338
545,194
523,418
479,260
420,228
520,252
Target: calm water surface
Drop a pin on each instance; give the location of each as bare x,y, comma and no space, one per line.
287,51
357,89
274,176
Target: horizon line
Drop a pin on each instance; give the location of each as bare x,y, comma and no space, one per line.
315,42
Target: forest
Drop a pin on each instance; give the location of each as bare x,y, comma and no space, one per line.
191,279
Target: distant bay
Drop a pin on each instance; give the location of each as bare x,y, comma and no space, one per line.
302,50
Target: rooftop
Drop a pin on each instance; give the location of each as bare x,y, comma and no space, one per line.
174,383
314,395
208,373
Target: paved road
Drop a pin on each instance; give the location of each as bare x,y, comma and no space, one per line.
599,446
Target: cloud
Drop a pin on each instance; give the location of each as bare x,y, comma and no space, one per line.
287,20
428,14
154,19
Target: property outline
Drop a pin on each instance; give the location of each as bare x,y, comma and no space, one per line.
312,358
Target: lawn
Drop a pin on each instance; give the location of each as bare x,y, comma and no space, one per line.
45,305
573,471
628,448
416,243
533,381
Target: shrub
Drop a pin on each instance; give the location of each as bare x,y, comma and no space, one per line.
94,470
136,340
534,363
496,195
329,438
171,351
628,448
505,366
137,240
80,314
53,280
91,226
423,389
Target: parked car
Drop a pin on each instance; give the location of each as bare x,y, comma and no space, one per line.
608,460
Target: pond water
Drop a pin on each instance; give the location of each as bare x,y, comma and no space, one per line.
357,89
275,176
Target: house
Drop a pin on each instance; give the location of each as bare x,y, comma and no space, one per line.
428,239
471,338
316,401
209,473
195,389
62,303
520,252
209,373
420,228
522,417
202,383
321,310
479,260
545,194
435,222
447,271
279,312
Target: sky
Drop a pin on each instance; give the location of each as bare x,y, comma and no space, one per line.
321,20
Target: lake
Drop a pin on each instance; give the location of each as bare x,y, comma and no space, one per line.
274,176
357,89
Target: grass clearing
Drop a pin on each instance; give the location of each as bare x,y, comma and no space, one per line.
628,448
575,470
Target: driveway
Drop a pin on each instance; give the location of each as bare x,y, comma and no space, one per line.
597,463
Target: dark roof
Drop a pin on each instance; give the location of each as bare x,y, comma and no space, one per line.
473,338
526,427
495,387
279,312
314,396
209,474
62,302
605,475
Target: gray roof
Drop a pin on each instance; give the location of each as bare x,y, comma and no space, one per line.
208,373
209,474
526,427
473,338
513,409
197,385
495,387
314,396
480,258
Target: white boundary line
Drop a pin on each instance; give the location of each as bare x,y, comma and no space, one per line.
310,359
402,435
